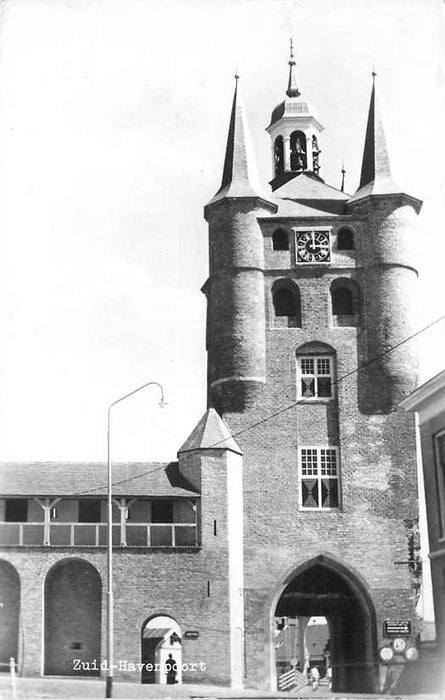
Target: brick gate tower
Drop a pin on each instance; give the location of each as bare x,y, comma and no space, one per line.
310,297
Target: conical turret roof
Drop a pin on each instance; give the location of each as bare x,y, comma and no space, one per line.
376,176
240,177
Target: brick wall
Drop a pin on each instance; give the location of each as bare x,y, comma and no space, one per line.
146,584
366,535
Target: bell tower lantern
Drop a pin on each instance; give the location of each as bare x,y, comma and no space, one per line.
294,130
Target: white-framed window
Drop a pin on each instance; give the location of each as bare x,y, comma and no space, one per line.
319,478
315,376
439,442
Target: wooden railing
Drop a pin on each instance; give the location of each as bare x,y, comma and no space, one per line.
292,679
95,535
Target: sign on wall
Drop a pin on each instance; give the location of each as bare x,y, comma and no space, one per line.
191,634
396,628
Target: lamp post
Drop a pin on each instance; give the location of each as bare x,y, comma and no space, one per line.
110,629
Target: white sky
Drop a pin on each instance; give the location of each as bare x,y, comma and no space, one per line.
113,123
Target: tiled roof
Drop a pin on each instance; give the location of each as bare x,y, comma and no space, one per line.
289,207
90,478
303,187
304,195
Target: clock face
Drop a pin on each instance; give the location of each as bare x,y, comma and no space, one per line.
313,246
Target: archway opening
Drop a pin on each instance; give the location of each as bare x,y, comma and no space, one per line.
161,651
279,155
9,614
73,602
298,157
333,628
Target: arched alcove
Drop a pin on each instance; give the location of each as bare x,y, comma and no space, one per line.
280,239
9,614
345,302
286,304
73,604
345,239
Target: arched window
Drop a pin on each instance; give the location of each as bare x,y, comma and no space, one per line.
298,156
315,370
345,302
345,239
280,240
278,152
286,304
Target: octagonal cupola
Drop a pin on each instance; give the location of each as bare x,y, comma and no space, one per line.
294,130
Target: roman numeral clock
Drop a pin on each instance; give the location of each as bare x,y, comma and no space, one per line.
313,246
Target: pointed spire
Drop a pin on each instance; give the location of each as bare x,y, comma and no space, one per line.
375,164
343,173
292,87
376,176
240,178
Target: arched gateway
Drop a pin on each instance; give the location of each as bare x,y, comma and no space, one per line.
325,588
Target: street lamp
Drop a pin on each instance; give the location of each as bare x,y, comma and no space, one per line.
110,629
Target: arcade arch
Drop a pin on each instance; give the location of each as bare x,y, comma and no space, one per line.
10,614
73,603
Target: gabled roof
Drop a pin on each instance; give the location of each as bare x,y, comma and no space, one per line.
428,399
157,479
312,193
210,433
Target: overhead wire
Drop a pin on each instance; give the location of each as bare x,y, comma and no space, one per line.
299,402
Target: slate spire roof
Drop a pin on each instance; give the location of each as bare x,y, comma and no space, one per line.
210,433
240,178
376,168
376,176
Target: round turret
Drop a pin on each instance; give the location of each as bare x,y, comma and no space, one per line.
236,368
390,292
390,274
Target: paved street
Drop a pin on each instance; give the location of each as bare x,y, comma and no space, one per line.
74,688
